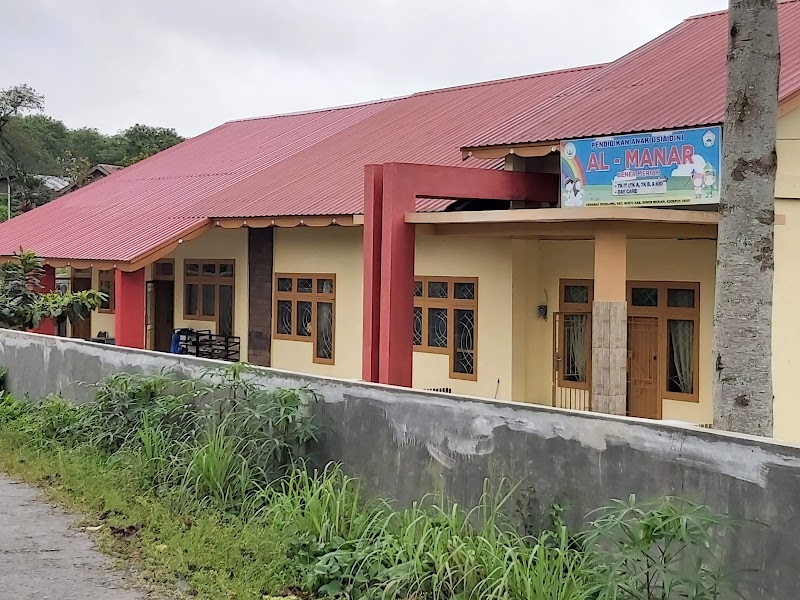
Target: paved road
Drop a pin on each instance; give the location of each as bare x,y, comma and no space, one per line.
40,557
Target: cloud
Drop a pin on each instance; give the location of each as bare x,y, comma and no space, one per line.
686,169
194,64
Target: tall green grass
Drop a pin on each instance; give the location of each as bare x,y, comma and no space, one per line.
209,475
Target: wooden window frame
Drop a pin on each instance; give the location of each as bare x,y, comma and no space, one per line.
451,304
572,308
157,277
664,314
216,280
107,276
313,297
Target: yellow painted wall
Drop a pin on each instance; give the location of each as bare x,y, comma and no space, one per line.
786,323
325,250
556,260
785,316
648,260
490,260
787,184
683,260
216,244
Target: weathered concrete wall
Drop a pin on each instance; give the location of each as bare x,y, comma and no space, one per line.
404,443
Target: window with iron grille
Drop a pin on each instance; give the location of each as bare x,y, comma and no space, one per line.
575,332
445,321
304,310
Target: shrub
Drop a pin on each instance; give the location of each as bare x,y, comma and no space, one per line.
660,549
125,402
434,549
10,408
225,455
273,427
53,421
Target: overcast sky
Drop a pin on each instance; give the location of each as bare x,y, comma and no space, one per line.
193,64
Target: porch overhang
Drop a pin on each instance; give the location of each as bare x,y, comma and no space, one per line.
523,150
289,221
571,223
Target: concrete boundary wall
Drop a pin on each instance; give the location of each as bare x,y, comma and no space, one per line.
405,443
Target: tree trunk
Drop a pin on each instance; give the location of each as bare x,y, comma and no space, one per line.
745,259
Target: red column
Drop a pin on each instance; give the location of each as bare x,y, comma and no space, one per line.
373,217
397,282
48,283
390,192
129,310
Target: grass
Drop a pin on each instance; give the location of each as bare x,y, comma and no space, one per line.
213,554
202,486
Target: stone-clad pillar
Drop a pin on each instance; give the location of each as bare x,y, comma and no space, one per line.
610,324
259,292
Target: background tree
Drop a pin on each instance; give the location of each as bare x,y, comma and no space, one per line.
745,261
140,141
24,306
15,145
76,168
33,144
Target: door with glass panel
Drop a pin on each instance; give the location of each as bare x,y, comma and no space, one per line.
572,345
663,345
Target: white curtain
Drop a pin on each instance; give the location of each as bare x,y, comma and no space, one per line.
681,334
575,353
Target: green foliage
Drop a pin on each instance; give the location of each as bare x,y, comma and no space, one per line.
213,555
660,549
206,426
34,144
435,549
75,167
40,142
53,422
140,141
10,409
203,481
16,149
125,403
22,306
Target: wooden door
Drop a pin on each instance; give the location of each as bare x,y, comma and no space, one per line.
82,328
160,314
643,368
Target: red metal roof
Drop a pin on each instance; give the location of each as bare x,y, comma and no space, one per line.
308,163
676,80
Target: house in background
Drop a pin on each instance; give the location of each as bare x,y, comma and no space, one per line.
55,183
96,173
432,240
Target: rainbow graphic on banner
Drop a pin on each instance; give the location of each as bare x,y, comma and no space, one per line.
574,168
573,177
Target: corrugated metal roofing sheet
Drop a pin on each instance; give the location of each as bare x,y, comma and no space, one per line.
308,163
676,80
